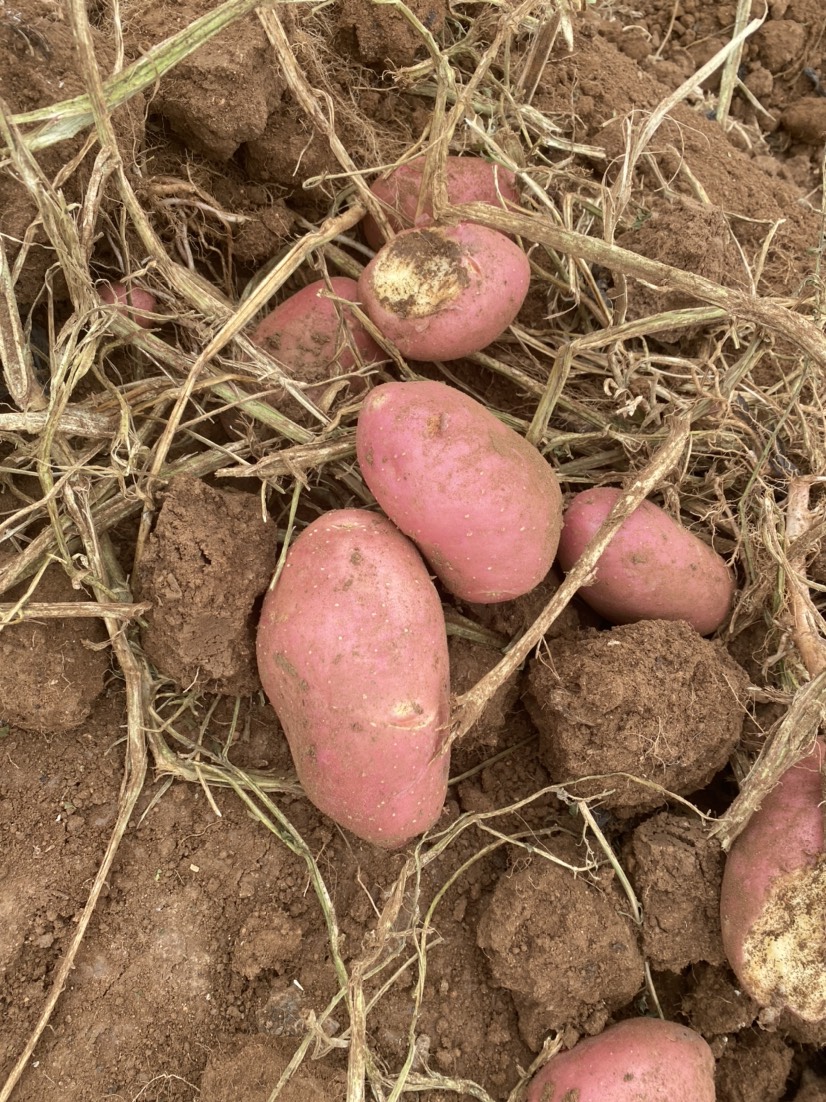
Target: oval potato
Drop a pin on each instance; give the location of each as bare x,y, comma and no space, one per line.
773,897
468,179
313,337
481,503
653,569
352,653
636,1060
442,293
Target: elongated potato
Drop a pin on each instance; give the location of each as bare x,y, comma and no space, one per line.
773,898
481,503
352,653
637,1060
653,569
444,292
469,180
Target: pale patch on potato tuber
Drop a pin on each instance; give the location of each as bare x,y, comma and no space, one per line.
783,953
418,274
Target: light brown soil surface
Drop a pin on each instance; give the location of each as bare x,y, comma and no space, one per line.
208,958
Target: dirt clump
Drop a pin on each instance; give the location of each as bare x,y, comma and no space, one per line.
717,1004
562,944
812,1088
652,700
51,671
206,543
676,870
754,1067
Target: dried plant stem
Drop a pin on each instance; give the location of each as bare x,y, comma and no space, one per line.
787,743
11,611
728,81
470,705
767,313
310,100
792,737
806,619
15,354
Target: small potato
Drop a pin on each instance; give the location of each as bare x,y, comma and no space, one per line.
137,304
481,503
773,898
469,180
636,1060
653,569
442,293
352,653
313,337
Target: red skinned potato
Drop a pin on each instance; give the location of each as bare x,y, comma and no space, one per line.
469,180
638,1060
773,898
480,502
352,653
653,569
442,293
313,337
137,304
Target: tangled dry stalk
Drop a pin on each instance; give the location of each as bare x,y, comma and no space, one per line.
81,459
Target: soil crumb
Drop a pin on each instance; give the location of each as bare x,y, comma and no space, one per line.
51,671
202,538
754,1067
562,944
653,700
717,1005
677,870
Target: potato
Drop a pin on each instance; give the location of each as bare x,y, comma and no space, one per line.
315,339
352,653
653,569
480,502
773,898
136,303
442,293
469,180
637,1060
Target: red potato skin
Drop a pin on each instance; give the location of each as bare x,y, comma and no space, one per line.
134,301
469,180
352,653
304,332
443,293
783,841
481,503
653,569
638,1060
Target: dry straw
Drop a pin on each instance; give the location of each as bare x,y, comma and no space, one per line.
743,458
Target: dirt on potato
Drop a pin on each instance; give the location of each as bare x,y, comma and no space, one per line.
208,959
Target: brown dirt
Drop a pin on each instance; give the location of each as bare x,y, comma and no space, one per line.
574,970
754,1067
677,870
51,671
208,958
653,701
192,633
